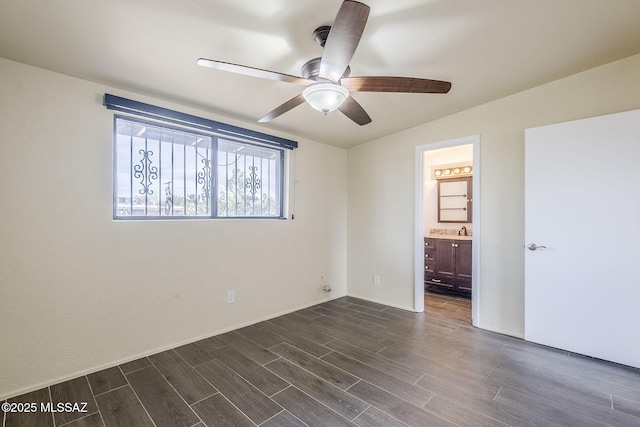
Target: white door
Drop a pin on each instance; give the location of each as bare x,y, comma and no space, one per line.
582,203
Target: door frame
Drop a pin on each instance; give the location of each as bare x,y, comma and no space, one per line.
419,222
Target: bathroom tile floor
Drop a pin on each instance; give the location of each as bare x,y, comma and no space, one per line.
350,362
448,307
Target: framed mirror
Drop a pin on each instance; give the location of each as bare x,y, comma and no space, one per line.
455,199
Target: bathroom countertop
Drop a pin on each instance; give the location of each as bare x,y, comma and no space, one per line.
449,236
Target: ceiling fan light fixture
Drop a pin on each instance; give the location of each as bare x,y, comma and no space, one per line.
325,97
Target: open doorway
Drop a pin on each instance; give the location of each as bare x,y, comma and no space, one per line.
450,220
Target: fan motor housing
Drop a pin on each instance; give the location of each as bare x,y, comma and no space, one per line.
311,68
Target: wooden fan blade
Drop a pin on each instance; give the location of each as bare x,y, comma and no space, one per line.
343,39
355,112
289,105
394,84
253,72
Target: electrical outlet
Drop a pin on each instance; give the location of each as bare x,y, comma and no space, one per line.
376,279
231,297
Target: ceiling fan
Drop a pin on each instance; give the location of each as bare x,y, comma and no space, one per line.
327,79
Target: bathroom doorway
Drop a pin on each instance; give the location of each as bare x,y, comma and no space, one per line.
442,224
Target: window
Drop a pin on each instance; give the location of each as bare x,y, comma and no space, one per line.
249,180
164,171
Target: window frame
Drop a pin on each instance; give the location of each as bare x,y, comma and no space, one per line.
232,134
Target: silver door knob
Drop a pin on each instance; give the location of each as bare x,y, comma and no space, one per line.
533,247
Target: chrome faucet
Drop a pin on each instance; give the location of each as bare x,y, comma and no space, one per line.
463,229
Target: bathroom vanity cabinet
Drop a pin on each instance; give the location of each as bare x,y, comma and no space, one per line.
447,265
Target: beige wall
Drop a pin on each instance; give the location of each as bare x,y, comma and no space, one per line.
381,176
79,291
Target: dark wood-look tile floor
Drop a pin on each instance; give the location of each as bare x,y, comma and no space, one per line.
350,362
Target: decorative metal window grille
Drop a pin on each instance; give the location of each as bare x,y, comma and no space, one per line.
167,172
249,180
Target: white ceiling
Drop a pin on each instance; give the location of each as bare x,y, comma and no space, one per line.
487,48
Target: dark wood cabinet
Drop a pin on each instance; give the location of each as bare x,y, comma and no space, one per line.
446,256
463,265
429,255
449,265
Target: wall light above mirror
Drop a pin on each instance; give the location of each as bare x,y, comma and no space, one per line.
453,172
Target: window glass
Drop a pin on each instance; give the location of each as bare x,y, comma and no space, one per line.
166,172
